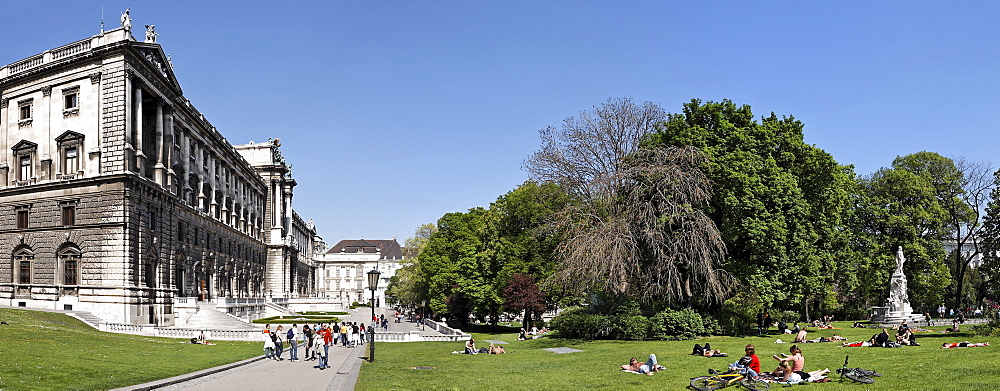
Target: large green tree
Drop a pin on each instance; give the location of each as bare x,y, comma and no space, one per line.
909,205
409,285
472,256
779,203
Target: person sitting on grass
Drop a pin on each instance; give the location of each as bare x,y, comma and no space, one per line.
521,336
748,365
649,367
964,344
795,362
470,346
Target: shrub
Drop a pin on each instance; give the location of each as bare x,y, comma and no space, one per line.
634,328
577,323
677,325
712,326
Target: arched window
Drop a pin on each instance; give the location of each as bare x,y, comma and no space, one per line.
69,259
23,258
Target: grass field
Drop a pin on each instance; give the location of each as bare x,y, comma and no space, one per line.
51,351
527,367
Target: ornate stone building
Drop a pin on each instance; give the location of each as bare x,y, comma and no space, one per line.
119,198
291,242
343,269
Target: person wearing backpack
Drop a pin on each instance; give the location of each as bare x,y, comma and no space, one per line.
293,340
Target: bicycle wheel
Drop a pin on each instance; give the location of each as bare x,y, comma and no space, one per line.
706,383
754,384
859,377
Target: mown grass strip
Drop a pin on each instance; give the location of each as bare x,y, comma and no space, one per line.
52,351
528,367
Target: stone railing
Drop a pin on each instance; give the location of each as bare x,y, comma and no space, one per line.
66,51
26,64
415,336
254,335
171,332
71,49
443,328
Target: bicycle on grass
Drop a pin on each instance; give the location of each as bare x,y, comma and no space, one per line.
857,374
719,380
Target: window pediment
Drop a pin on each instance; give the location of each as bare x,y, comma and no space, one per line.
69,135
24,145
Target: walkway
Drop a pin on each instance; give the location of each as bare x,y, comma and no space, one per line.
260,374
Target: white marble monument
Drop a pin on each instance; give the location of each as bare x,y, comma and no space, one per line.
897,308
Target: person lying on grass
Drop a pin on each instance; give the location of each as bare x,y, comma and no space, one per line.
496,349
964,344
707,351
649,367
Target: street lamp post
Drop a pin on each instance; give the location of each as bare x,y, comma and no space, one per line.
423,315
373,285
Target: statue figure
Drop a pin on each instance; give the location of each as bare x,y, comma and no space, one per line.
127,20
899,260
151,33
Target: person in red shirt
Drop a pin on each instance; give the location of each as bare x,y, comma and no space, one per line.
748,364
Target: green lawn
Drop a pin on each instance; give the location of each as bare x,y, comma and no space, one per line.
51,351
527,367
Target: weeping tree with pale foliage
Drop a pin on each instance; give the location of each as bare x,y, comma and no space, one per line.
639,228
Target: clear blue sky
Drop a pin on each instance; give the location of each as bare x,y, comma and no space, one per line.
396,112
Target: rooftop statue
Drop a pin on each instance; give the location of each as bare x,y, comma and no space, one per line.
127,20
151,33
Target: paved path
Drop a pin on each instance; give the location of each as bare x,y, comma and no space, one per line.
261,374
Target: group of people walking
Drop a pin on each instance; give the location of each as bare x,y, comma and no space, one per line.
317,340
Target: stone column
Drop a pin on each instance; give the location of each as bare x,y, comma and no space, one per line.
140,157
129,126
168,159
159,170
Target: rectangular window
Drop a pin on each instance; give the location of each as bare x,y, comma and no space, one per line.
24,277
24,162
22,219
25,112
70,272
69,101
68,215
72,164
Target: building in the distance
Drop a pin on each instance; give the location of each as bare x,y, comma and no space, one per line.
119,198
342,271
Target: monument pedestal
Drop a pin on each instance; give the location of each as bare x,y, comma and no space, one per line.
885,315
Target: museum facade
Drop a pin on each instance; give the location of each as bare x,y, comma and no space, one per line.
118,197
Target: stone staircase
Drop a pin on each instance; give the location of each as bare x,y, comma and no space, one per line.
88,318
208,318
